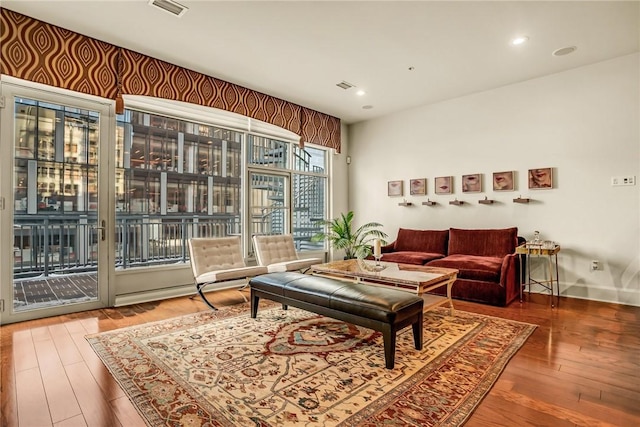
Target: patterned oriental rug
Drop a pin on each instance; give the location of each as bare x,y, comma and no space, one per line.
293,367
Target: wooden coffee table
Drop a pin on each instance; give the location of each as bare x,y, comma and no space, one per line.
417,279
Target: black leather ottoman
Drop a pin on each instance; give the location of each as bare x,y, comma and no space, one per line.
380,309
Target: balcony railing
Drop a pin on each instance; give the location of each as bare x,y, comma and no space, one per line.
45,246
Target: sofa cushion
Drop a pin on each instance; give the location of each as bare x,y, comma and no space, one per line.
408,257
482,268
486,242
430,241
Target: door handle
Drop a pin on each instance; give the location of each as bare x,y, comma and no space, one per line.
103,230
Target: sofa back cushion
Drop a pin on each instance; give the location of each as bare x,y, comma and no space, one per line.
484,242
433,241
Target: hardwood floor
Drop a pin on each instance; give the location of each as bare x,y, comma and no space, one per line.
581,367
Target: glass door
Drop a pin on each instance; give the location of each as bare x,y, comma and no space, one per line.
56,206
269,205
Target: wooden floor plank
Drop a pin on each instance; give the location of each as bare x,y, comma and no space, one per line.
24,353
95,407
127,413
544,413
8,398
60,396
100,373
579,368
492,413
67,349
77,421
627,404
33,408
538,379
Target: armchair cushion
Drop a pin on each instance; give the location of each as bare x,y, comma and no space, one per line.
210,254
278,254
294,265
230,274
217,261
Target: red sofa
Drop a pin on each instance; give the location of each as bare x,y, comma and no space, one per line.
489,269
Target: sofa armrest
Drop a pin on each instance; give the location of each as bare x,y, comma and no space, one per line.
391,247
510,277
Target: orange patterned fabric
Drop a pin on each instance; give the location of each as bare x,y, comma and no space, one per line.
142,75
36,51
319,128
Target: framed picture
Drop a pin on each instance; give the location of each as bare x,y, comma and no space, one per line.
540,178
395,188
418,187
472,183
503,181
444,185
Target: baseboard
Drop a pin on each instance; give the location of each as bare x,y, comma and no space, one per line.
614,296
155,295
172,292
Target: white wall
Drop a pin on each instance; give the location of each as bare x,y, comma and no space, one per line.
584,123
339,185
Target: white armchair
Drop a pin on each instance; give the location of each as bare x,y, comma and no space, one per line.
218,262
277,253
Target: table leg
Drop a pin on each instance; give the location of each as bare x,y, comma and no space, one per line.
520,278
557,280
550,263
529,275
449,286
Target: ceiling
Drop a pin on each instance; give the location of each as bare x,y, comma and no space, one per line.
402,54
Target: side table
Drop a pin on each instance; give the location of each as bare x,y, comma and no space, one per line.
527,251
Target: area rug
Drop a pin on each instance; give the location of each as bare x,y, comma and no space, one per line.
295,368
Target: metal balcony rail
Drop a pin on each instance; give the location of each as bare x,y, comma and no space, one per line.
47,246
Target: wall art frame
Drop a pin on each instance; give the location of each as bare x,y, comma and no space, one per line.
472,183
443,185
395,188
504,181
540,179
418,186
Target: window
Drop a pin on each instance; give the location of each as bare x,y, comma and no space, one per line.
309,195
56,159
277,166
175,179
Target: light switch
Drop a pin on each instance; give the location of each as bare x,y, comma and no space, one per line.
623,180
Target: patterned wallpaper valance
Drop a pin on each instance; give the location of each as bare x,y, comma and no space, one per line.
36,51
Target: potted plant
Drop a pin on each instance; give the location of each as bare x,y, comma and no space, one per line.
355,243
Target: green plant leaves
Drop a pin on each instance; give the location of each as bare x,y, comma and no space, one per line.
356,243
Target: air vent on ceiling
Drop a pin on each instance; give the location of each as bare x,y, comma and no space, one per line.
169,6
564,51
344,85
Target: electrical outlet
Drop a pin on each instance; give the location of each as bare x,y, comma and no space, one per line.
595,265
623,180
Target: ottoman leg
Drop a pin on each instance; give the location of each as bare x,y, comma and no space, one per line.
417,331
389,338
254,305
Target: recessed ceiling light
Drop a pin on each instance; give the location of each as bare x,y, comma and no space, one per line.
519,40
564,51
367,107
360,92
